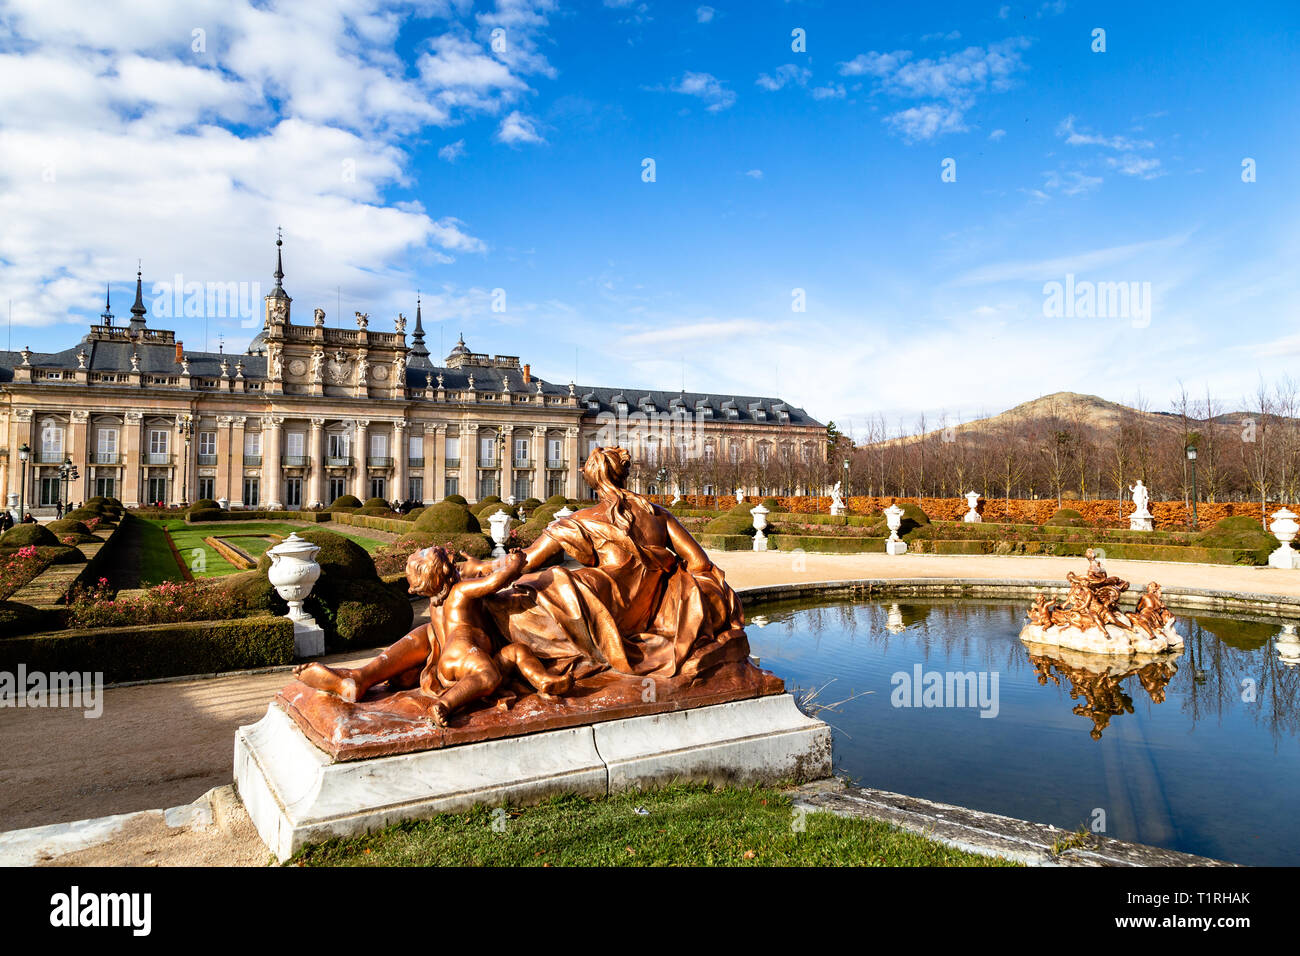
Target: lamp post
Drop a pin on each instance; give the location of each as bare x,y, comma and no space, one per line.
67,474
1191,456
846,476
186,429
24,454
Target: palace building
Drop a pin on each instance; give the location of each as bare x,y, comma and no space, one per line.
309,413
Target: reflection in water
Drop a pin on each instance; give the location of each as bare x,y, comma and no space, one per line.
1208,766
1097,679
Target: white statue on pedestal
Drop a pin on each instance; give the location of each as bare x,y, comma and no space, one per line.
837,500
1141,518
894,521
740,496
972,516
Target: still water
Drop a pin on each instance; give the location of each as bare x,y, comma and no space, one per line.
1199,752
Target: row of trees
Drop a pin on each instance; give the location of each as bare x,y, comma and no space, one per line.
1066,452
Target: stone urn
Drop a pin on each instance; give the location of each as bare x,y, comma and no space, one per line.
760,523
1288,645
972,516
894,519
500,524
1284,528
293,573
562,513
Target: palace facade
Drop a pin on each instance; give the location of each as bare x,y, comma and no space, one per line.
309,413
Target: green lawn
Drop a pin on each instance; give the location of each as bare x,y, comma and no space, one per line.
684,826
148,550
205,562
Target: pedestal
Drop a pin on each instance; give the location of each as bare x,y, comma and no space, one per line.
297,794
308,639
1285,557
1140,522
760,542
972,517
896,547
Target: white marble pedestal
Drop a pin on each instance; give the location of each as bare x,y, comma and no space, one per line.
1141,522
296,794
896,547
308,639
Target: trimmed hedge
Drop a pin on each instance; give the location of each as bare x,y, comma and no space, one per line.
344,503
25,535
448,517
314,517
156,650
1066,518
16,618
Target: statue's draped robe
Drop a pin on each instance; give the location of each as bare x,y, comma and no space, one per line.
633,607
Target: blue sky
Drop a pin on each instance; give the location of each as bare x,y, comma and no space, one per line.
400,150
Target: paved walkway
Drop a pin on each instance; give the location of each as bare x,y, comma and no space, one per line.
166,744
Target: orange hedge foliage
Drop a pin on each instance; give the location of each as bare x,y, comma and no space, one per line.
1100,513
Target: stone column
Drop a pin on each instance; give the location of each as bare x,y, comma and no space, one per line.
507,462
400,451
435,463
571,452
235,478
539,463
359,458
78,445
221,483
469,461
271,461
132,465
317,451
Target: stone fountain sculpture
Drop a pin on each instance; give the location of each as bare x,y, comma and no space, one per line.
972,516
1090,619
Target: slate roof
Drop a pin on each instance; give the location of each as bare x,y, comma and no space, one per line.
159,358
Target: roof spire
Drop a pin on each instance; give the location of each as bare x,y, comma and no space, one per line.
419,353
138,310
107,314
279,264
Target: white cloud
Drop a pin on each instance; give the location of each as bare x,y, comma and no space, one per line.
952,82
1070,182
832,91
704,14
708,88
754,174
517,128
997,134
920,123
785,74
125,134
452,151
1076,137
1140,166
953,35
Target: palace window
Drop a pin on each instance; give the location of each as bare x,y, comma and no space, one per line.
451,450
415,489
252,444
338,487
378,449
207,487
294,445
158,441
293,493
415,449
339,445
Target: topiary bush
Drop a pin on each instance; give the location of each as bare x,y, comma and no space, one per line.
448,517
736,521
24,535
1241,531
376,511
17,618
204,514
376,503
68,526
345,503
203,504
488,505
1066,518
456,499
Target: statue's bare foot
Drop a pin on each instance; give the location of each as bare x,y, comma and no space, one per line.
341,682
555,686
438,713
